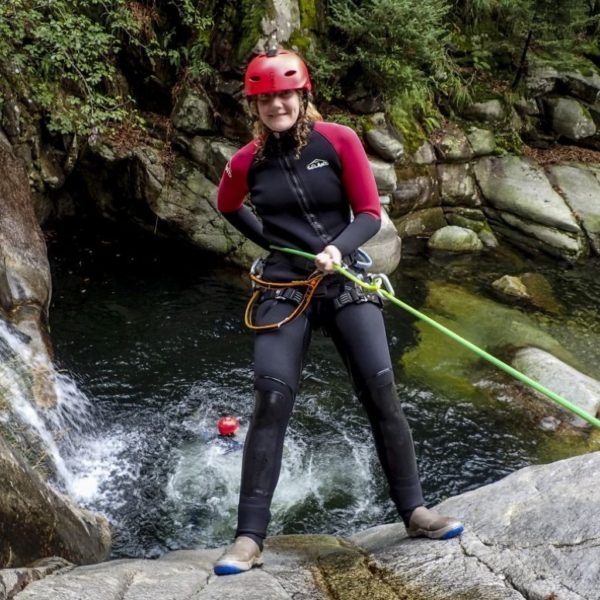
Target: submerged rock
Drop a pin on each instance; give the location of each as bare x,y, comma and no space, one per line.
510,288
531,289
552,373
447,366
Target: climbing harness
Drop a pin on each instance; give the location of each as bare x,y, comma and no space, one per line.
353,294
380,285
349,293
287,290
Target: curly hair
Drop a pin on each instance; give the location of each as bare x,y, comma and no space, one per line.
299,132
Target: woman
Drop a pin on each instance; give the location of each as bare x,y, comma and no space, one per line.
305,178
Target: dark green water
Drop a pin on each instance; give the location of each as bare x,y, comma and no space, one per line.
154,338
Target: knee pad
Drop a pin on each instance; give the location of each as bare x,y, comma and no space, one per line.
379,380
273,401
266,383
381,399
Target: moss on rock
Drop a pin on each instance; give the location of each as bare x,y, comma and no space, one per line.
343,570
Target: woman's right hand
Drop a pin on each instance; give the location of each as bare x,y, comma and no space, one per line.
326,260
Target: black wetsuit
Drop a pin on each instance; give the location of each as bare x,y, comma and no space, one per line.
306,203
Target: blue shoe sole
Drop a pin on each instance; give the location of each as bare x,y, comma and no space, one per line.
452,533
227,570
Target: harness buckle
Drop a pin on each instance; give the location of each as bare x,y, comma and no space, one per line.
257,270
355,295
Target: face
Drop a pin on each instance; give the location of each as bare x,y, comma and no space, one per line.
279,111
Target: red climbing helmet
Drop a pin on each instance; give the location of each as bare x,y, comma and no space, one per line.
228,425
275,71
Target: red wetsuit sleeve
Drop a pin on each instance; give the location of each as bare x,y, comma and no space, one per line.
357,176
359,186
233,186
233,189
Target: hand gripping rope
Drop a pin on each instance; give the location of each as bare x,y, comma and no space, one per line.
381,286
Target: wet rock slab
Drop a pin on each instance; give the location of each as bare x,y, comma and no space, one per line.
532,535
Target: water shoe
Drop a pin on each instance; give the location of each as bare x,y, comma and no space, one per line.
428,523
239,557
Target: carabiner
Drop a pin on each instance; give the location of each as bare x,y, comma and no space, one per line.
382,280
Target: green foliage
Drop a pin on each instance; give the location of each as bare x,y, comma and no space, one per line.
552,24
360,124
61,55
508,142
308,14
396,49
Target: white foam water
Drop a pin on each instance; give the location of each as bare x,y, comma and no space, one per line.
207,474
180,484
82,464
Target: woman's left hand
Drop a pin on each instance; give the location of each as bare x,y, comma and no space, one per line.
327,258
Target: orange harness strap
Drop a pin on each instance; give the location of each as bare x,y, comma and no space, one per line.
260,284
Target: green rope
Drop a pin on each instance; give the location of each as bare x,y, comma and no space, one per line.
457,338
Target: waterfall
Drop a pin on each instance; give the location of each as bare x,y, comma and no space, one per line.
55,428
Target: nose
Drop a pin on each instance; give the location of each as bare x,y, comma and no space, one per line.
276,101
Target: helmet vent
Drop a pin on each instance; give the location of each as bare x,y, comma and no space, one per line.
290,73
255,78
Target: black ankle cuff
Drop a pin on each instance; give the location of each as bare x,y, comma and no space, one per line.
255,538
406,514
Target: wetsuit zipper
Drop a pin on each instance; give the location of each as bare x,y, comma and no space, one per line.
302,201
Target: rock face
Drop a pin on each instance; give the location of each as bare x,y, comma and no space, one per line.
581,190
532,535
25,284
527,210
36,521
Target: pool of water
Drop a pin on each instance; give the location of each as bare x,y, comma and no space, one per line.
153,336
